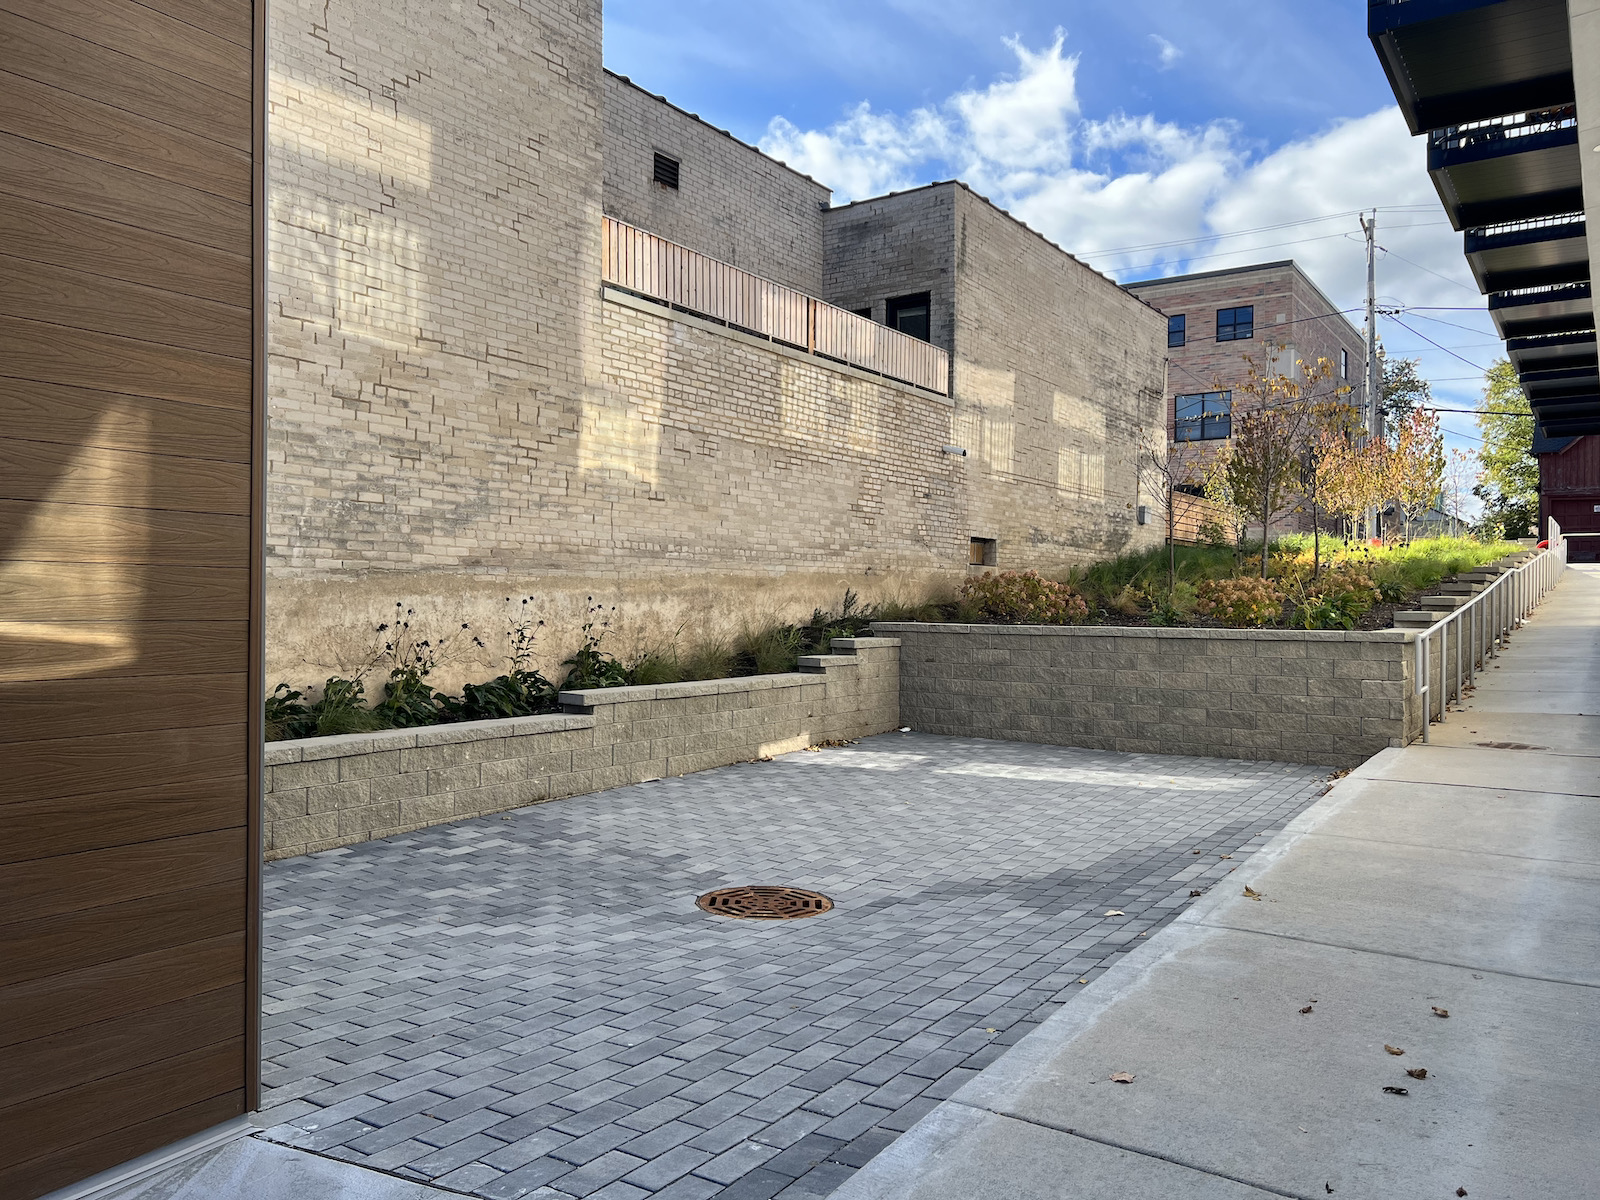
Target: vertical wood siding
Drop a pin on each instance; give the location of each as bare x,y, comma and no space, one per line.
130,464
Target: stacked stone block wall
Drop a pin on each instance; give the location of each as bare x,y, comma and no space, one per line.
732,202
327,792
1284,696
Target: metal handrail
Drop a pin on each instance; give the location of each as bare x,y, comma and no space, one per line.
657,269
1479,628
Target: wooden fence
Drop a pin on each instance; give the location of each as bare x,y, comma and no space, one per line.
651,266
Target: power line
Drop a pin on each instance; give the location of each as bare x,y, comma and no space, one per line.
1433,343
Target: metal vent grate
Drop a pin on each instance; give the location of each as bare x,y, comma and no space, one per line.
765,903
666,172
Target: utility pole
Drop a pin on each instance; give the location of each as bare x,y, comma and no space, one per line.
1374,389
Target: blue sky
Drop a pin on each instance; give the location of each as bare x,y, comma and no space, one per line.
1109,126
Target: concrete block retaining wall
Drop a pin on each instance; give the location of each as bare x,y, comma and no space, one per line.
1284,695
326,792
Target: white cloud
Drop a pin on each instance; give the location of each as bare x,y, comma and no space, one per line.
1166,51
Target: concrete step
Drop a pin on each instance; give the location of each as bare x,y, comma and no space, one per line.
1442,604
1414,620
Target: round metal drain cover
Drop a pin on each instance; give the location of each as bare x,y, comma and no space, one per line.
765,903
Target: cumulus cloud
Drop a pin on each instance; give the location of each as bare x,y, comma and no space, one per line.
1166,52
1120,189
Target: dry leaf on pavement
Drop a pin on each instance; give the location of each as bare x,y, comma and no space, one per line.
1193,892
1121,1077
1440,1012
1461,1191
1417,1072
1306,1009
1394,1050
1117,912
1394,1091
1251,893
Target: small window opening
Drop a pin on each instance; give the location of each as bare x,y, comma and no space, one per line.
863,312
1344,364
984,552
909,314
1177,331
666,173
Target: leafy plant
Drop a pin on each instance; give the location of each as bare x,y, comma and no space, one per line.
1023,598
591,665
1240,603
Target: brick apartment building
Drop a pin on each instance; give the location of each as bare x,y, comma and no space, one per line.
535,331
1270,312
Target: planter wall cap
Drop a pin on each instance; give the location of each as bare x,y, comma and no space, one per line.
357,743
281,754
821,662
864,643
594,697
1140,631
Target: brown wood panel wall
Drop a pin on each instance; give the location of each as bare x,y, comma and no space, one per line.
130,590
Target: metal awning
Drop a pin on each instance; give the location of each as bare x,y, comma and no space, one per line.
1520,167
1553,352
1454,61
1528,253
1527,312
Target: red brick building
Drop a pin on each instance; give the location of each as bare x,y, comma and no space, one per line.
1271,313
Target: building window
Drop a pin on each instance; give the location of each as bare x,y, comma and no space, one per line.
1344,364
666,173
909,314
1203,417
1177,331
1236,324
863,312
984,552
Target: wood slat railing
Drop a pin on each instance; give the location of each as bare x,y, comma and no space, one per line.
651,266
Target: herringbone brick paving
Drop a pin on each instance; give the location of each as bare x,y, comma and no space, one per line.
531,1004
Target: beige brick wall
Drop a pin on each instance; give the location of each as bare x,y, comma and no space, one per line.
327,792
1284,696
732,203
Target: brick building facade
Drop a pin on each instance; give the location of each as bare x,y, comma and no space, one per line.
1271,313
460,413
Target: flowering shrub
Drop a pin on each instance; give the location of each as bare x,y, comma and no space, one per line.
1023,598
1240,602
1337,600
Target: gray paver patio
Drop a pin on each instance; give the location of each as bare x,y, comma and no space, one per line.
532,1005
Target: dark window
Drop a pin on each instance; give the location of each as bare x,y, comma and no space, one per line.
984,552
863,312
1203,417
1177,331
1344,364
666,171
1189,489
909,314
1236,324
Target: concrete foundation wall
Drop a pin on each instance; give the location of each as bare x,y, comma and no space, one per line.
327,792
1278,695
732,202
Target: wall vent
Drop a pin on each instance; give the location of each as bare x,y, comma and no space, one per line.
666,172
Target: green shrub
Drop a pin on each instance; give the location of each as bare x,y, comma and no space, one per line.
1023,598
1241,603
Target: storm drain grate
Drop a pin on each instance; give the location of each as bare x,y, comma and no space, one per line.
765,903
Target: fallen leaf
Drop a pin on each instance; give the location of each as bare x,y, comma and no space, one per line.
1122,1077
1083,981
1306,1009
1461,1191
1224,856
1394,1091
1394,1050
1193,892
1440,1012
1199,852
1328,1187
991,1031
1417,1072
1251,893
1117,912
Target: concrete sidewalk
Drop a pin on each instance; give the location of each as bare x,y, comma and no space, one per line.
1460,877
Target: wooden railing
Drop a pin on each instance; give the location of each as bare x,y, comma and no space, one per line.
653,267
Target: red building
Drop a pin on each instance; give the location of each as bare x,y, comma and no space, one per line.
1569,490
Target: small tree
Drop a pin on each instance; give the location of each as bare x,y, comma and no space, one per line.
1403,390
1217,483
1264,461
1333,423
1414,466
1509,484
1159,479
